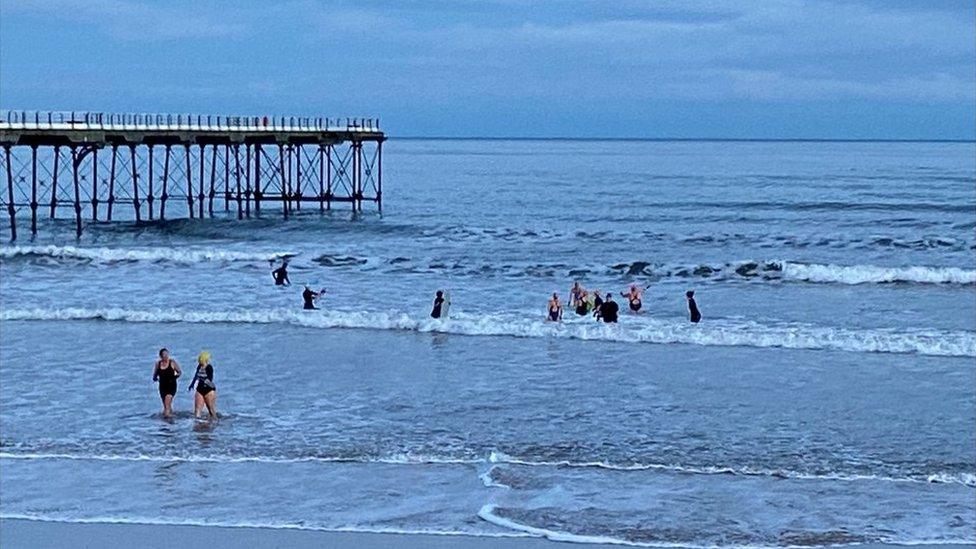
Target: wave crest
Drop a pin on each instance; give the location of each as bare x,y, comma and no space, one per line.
114,255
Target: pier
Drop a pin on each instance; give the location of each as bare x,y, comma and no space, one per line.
101,167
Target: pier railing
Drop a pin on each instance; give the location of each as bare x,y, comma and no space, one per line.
85,120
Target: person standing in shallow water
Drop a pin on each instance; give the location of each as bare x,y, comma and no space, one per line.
309,297
438,304
165,372
693,307
555,309
609,309
281,274
206,394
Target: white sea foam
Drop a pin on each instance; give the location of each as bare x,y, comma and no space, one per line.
865,274
107,255
495,459
631,330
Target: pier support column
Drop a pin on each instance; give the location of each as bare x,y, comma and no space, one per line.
200,185
328,178
54,182
11,211
237,178
258,192
379,176
284,184
150,196
136,204
189,180
165,195
94,196
247,181
226,178
75,160
111,181
33,202
213,177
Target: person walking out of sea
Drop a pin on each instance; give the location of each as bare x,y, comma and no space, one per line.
693,307
609,309
585,302
438,304
575,294
206,395
165,372
281,274
555,309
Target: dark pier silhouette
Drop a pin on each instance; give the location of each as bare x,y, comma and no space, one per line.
145,167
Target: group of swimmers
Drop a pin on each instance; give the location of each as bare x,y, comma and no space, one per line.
584,302
166,371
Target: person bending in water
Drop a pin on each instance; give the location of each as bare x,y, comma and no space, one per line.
438,303
206,394
693,307
634,296
165,372
309,297
555,309
281,274
609,309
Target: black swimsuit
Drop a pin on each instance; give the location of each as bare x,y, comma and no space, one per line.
167,379
204,380
436,311
635,305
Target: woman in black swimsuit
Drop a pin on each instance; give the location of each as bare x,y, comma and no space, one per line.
206,394
165,372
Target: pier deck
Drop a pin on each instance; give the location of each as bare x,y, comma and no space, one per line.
160,166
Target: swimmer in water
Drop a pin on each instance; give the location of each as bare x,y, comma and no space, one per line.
309,297
206,394
693,307
609,309
438,303
281,274
585,302
165,372
634,296
575,294
555,309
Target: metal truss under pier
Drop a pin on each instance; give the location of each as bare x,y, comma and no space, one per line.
140,167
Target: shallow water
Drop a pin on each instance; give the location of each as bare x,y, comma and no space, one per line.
827,397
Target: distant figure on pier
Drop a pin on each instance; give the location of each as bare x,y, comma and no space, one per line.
281,274
693,307
597,304
165,372
555,308
609,309
309,297
575,294
206,394
441,305
634,295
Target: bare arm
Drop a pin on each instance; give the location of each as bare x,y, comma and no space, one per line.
176,368
156,371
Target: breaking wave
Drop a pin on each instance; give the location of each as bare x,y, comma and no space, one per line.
718,332
114,255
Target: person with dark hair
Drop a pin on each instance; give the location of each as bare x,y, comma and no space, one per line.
555,309
609,309
165,372
693,307
281,274
438,304
309,297
597,305
584,304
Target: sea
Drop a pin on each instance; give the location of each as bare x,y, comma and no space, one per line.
827,397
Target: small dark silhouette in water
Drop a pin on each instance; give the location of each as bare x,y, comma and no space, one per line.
438,303
693,307
309,297
281,274
609,309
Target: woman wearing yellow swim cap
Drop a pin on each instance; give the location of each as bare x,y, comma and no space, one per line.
206,394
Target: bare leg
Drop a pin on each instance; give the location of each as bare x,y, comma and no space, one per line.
211,401
197,404
167,405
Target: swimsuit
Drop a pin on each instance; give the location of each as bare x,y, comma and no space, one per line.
308,296
167,379
554,313
436,311
635,304
693,308
204,380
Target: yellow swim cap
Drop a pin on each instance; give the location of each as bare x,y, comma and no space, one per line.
204,357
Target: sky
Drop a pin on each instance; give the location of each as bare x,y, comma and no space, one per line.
766,69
